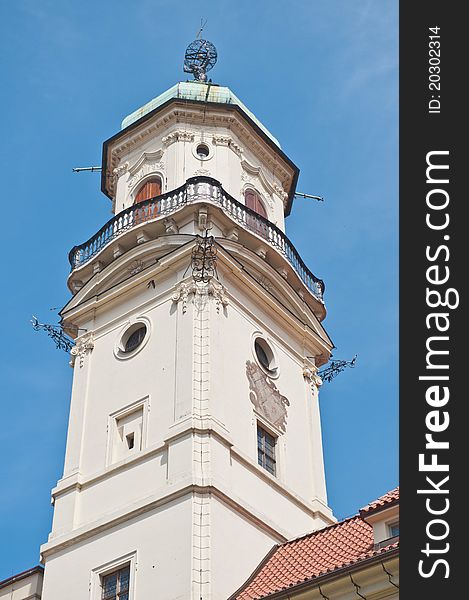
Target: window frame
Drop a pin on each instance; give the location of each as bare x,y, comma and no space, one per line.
209,147
152,177
123,335
259,199
113,419
98,573
118,592
263,340
390,527
260,426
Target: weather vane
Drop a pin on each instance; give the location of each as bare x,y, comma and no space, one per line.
200,57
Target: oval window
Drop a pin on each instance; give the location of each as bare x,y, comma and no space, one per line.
265,355
135,338
132,338
202,151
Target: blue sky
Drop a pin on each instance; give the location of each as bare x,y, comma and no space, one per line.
322,76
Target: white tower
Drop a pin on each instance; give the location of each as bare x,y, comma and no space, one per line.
194,439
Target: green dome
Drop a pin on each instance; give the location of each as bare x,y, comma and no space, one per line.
201,92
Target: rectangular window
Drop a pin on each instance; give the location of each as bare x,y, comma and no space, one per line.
394,530
266,450
115,585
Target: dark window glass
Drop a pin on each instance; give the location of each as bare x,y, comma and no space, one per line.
266,450
262,355
135,339
202,151
394,529
115,586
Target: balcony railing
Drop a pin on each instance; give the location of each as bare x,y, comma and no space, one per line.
196,189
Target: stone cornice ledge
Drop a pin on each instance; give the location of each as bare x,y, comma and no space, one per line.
186,487
315,507
178,430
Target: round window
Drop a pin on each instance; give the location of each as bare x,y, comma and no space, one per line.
135,338
202,151
265,355
132,340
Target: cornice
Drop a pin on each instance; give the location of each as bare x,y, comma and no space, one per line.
177,111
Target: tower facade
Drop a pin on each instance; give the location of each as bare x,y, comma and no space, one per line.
194,440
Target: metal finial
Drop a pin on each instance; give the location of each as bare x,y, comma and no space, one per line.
200,57
201,28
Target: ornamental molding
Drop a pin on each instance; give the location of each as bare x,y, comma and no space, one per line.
155,168
135,267
250,171
182,293
180,114
250,183
170,225
280,191
203,172
121,169
213,289
258,149
180,135
265,283
266,398
218,292
226,140
310,373
146,157
83,347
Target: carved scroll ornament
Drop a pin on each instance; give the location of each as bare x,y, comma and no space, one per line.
266,398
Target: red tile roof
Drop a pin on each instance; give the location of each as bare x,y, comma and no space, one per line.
314,555
384,501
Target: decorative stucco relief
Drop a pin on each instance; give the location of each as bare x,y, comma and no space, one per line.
225,140
213,289
255,176
176,136
121,169
266,398
135,267
149,162
204,172
81,349
147,169
280,191
310,373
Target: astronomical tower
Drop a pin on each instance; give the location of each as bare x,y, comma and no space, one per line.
194,439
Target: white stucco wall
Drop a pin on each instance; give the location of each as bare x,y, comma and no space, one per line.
171,155
189,383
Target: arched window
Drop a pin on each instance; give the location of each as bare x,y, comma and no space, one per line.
150,189
254,202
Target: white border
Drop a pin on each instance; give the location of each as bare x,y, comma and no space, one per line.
271,374
118,346
112,427
96,574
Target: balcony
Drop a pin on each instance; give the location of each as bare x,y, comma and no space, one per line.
196,190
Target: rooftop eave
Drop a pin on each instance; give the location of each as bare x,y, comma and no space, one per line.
312,583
